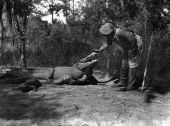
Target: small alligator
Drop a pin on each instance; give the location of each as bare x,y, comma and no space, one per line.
80,73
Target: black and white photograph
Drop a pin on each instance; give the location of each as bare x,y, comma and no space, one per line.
84,63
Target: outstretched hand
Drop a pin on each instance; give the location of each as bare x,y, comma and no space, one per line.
90,56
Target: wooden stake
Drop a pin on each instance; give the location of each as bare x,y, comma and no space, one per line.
147,60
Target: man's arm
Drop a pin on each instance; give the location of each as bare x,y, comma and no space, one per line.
104,46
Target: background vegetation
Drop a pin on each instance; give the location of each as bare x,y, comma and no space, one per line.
26,40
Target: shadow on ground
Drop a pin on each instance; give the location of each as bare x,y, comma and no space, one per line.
17,106
161,87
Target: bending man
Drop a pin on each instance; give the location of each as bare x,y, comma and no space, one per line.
132,50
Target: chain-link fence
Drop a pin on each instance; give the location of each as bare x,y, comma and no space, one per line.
53,51
47,53
159,60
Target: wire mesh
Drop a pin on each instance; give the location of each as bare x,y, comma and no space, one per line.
52,52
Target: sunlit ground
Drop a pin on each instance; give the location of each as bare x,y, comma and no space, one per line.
88,105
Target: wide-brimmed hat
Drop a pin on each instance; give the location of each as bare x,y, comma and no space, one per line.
106,29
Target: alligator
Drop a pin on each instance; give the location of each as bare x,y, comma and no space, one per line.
80,73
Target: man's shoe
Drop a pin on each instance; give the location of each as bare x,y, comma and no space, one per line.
123,80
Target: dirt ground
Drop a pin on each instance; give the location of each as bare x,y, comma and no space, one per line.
89,105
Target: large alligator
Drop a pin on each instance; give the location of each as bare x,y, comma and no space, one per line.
80,73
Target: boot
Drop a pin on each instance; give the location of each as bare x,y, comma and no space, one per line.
133,82
123,77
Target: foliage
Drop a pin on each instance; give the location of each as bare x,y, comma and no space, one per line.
52,7
64,44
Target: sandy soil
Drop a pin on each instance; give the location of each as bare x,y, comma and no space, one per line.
89,105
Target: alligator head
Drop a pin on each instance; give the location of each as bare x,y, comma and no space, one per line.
87,64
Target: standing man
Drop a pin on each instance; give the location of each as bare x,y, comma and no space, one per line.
132,50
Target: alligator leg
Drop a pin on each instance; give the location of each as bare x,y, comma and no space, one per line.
30,83
63,80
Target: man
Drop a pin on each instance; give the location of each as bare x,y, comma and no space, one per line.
132,50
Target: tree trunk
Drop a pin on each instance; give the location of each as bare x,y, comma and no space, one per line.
69,8
73,11
1,28
23,53
145,23
122,3
21,32
1,35
52,17
52,12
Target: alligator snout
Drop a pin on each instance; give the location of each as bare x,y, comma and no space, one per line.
90,58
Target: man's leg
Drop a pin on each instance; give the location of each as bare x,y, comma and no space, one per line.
134,81
132,84
124,71
123,77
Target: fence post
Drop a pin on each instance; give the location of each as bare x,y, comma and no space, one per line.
147,60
